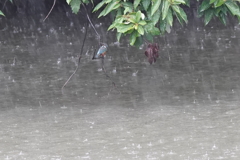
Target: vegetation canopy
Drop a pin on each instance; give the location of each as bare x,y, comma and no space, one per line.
141,20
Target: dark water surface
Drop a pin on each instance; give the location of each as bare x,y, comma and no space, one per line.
184,107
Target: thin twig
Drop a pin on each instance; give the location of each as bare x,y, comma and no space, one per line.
103,68
50,10
80,56
90,21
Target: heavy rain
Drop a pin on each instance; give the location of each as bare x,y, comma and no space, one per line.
183,107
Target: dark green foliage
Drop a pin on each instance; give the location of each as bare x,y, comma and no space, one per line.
147,18
218,8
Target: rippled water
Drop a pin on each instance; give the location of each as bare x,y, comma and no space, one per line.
186,106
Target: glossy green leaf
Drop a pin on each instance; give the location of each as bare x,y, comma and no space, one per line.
140,30
98,6
138,16
136,3
187,2
212,1
180,20
113,25
175,8
204,6
132,18
122,28
183,15
233,7
142,23
155,31
148,27
162,25
138,42
1,13
155,6
208,14
149,37
111,6
68,1
169,17
146,4
168,28
75,5
179,1
133,37
219,3
119,36
165,8
155,18
222,18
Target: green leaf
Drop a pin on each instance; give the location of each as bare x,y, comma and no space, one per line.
140,30
163,24
179,2
165,8
204,6
136,3
212,1
138,42
183,15
131,18
208,14
85,1
180,20
222,18
233,7
142,23
146,4
122,28
113,25
169,17
155,6
11,1
68,1
168,28
111,6
133,38
138,16
155,31
98,6
102,13
148,27
119,36
175,8
75,5
1,13
187,2
155,18
219,3
149,37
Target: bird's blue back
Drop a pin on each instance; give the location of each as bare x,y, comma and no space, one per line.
101,50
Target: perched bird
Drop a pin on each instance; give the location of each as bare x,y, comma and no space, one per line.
152,52
101,51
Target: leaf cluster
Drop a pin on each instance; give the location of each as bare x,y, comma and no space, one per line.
142,18
218,8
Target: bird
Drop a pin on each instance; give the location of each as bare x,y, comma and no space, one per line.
102,51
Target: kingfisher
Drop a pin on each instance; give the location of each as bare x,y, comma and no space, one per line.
101,51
